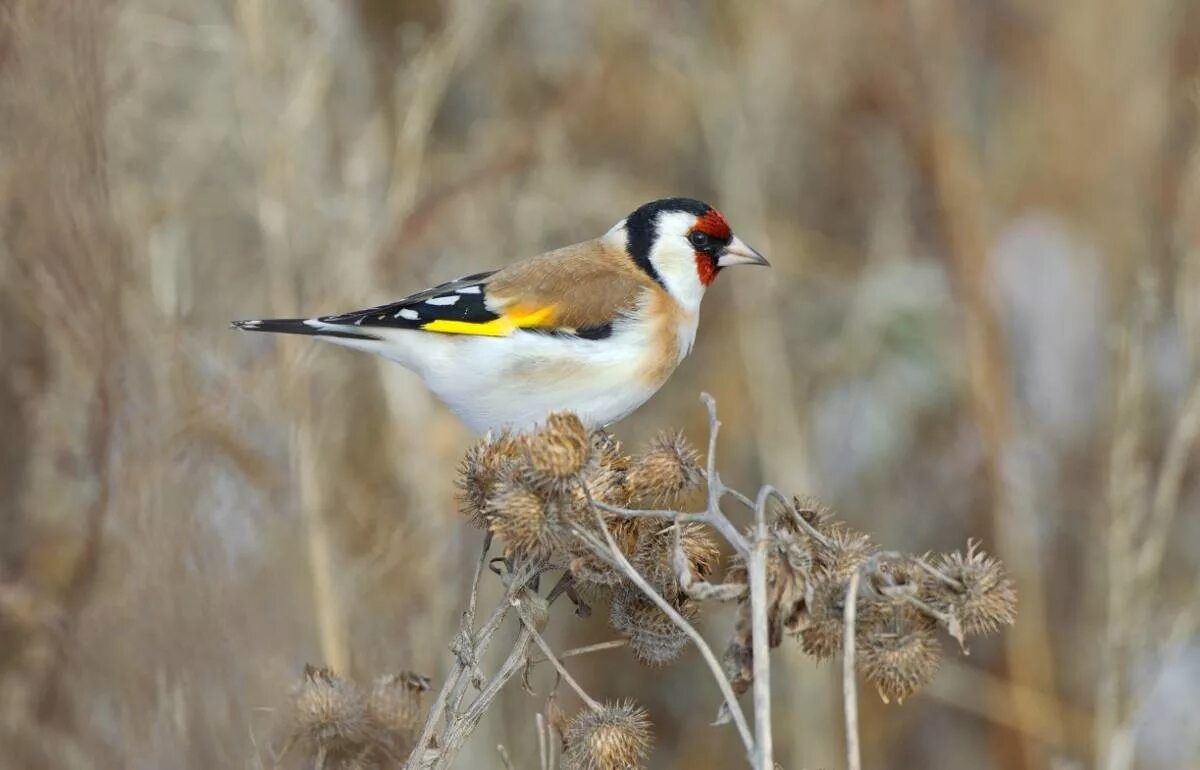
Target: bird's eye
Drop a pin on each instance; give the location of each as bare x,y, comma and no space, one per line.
699,239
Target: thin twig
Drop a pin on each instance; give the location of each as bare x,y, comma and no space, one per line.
760,640
587,650
714,516
849,684
523,612
540,723
504,758
454,687
612,554
469,619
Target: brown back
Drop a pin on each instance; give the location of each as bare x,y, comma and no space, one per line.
588,283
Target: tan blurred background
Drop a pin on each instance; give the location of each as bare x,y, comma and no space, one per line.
983,320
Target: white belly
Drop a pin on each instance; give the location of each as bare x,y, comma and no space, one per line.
514,382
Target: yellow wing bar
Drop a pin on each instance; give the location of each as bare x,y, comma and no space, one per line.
497,327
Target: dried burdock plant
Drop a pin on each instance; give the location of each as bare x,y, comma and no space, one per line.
666,471
330,715
654,556
555,500
899,655
479,473
822,631
558,453
340,726
616,736
394,708
524,517
654,638
978,593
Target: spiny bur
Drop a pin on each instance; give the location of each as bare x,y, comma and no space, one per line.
394,706
480,471
822,631
986,599
667,470
593,571
616,737
330,713
654,638
558,453
521,515
901,658
655,554
844,552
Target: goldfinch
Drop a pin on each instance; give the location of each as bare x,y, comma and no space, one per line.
595,328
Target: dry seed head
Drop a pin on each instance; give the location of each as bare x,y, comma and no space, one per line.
479,472
394,705
608,451
617,737
667,470
330,712
817,514
847,549
559,452
625,599
822,633
655,554
653,637
902,659
987,600
899,577
588,568
523,518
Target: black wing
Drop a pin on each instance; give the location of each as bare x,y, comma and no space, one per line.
464,299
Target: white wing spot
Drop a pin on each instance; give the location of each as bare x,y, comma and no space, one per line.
358,321
469,290
407,314
449,299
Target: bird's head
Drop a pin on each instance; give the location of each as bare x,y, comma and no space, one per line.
682,244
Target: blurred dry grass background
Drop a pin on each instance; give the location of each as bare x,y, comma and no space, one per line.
983,319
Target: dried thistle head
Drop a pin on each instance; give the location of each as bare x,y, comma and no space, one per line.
558,452
394,706
655,554
519,514
654,638
816,513
667,470
604,478
591,570
330,713
617,737
846,550
987,598
479,472
824,628
901,656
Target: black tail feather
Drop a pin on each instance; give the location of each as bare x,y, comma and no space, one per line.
297,326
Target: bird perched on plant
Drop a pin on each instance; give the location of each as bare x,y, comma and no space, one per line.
595,328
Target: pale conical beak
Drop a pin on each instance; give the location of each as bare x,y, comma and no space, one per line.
738,253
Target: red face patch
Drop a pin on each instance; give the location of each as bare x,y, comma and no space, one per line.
714,224
706,268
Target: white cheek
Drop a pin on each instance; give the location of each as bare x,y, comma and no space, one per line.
675,260
676,265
